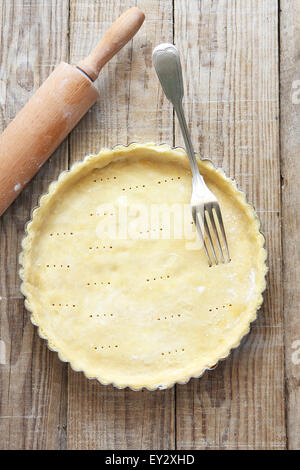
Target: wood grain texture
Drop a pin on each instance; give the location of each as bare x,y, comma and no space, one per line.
230,62
131,107
290,170
32,380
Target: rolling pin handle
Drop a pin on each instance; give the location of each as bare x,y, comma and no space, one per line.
123,29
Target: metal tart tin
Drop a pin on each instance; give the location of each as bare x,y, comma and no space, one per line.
161,386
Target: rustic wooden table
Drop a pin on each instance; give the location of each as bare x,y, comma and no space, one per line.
241,65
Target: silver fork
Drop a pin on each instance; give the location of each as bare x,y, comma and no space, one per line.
204,204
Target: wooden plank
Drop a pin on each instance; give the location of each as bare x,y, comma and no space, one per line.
34,38
290,170
131,107
230,65
230,62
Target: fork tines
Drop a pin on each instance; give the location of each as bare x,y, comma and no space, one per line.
210,232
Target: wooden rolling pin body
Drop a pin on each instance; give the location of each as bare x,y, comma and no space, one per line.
55,109
40,127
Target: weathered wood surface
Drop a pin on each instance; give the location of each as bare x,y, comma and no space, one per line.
230,53
34,38
290,171
104,417
231,70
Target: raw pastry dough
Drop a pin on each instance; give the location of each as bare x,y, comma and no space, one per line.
143,312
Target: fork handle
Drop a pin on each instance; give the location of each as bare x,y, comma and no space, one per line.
167,64
187,139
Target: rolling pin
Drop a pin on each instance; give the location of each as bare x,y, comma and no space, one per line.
55,109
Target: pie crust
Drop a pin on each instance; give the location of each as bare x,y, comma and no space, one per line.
146,310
